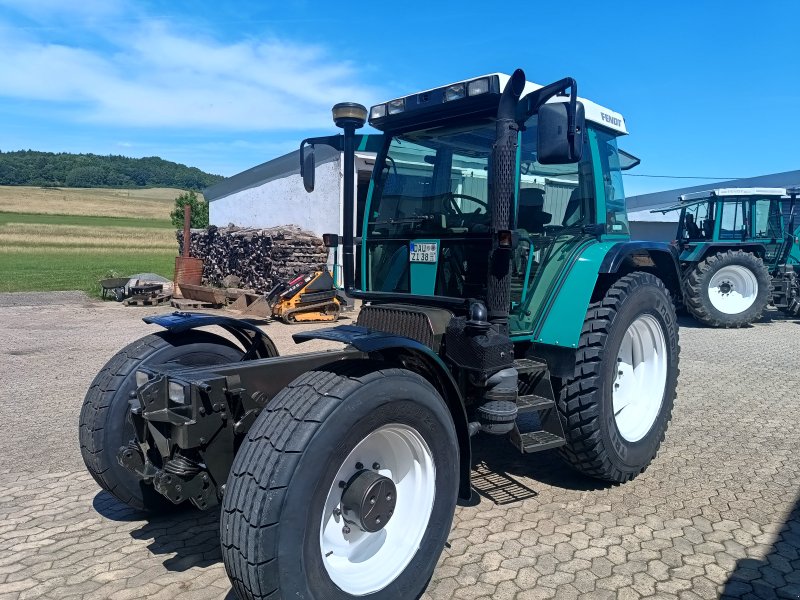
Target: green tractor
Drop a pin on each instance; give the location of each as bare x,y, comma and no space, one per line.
739,251
501,297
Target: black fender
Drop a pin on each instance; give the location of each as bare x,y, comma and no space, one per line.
419,358
756,248
659,258
255,342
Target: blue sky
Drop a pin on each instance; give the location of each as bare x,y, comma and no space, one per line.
708,88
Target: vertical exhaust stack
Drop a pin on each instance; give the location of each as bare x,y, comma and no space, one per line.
504,160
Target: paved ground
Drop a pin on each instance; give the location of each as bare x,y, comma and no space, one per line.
717,513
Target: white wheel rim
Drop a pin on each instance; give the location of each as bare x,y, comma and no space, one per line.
362,563
733,289
641,378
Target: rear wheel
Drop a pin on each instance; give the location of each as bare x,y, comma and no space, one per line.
104,423
344,488
617,406
728,289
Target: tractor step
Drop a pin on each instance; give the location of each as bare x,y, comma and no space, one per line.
527,366
532,402
536,441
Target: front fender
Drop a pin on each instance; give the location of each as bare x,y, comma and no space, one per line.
256,343
423,360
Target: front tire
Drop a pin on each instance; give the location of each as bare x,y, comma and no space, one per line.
729,289
616,407
283,527
104,425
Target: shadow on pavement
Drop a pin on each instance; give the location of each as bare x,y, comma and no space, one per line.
191,535
496,456
775,576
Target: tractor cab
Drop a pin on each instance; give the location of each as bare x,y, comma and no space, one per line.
428,234
743,217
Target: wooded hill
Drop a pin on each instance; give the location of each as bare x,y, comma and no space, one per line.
48,169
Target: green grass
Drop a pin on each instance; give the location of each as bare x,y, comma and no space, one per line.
48,252
89,221
69,269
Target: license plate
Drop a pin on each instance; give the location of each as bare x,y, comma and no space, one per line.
423,252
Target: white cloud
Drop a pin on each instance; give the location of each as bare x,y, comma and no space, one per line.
155,76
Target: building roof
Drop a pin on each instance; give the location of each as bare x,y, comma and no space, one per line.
648,202
278,168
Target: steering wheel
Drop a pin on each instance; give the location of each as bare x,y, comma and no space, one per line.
451,196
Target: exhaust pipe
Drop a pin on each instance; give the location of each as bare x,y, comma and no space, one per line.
503,181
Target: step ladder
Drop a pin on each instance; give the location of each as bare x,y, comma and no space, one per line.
537,427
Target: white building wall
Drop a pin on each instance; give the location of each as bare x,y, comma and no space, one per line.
285,201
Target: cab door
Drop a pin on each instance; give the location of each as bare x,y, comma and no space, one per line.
556,207
767,226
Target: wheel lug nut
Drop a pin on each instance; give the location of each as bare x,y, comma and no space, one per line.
345,530
342,484
376,466
337,512
372,500
377,520
620,373
359,466
388,497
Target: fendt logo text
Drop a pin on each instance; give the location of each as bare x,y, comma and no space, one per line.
609,119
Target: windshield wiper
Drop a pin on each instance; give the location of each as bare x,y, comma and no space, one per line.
415,219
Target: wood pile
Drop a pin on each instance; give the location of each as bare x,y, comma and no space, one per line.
260,258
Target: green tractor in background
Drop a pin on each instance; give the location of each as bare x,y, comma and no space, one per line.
501,296
739,253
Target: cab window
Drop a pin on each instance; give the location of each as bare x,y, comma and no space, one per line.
768,218
616,214
733,225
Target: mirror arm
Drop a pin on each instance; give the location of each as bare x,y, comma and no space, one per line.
531,103
334,141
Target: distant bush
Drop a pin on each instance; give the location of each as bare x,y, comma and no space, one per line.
48,169
199,211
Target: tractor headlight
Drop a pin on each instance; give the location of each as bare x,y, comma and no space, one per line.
477,87
378,111
454,92
397,106
141,378
178,393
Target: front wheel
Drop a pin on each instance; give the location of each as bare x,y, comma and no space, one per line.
105,425
344,488
617,406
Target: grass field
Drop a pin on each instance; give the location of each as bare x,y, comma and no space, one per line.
69,239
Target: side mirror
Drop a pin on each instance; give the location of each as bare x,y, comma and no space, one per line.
307,166
554,144
330,240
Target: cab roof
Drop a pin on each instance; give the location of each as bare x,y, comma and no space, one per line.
700,197
433,101
743,191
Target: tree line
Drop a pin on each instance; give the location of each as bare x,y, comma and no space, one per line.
63,169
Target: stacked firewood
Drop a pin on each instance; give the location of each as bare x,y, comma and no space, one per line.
260,258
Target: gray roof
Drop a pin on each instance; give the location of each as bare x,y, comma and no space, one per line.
277,168
283,166
647,202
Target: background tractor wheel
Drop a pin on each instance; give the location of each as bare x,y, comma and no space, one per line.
617,406
729,289
104,424
345,487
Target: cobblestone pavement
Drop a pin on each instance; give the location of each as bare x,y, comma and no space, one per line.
717,513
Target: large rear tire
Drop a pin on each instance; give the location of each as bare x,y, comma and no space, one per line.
286,530
104,425
616,407
729,289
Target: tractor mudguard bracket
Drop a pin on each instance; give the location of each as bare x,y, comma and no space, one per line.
256,343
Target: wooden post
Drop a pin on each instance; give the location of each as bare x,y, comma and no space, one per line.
187,225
